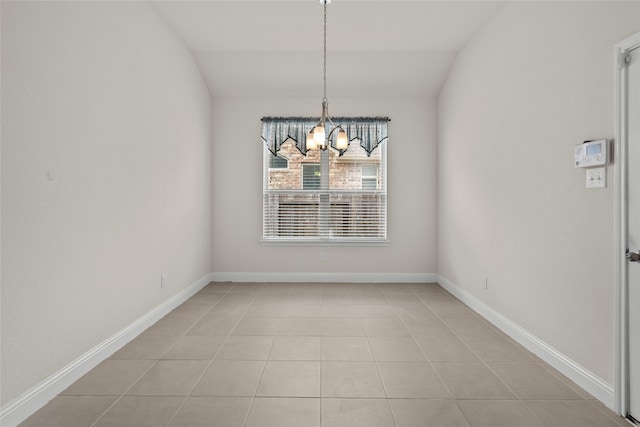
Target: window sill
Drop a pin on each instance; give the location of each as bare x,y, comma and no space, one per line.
328,242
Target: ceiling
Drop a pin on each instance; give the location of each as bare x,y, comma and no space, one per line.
375,48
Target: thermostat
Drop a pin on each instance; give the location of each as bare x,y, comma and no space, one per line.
591,153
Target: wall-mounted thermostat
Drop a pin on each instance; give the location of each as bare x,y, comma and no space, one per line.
591,153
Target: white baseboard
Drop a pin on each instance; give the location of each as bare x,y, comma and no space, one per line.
590,382
25,405
327,277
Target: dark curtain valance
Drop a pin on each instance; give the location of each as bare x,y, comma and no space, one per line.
370,131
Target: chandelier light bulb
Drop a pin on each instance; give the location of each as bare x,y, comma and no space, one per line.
342,141
311,142
319,135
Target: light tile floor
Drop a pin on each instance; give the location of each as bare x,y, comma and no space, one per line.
330,355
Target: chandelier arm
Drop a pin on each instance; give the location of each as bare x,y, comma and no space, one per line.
333,130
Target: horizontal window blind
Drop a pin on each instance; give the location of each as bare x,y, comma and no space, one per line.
325,196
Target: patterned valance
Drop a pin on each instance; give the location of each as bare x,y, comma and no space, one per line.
370,131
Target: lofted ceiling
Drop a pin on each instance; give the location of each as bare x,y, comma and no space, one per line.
375,48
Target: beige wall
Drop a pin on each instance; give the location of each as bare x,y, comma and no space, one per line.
237,189
106,178
534,82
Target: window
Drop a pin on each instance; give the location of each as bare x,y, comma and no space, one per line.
325,196
278,162
369,176
311,176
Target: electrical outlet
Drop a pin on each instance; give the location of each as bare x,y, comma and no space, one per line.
323,257
485,283
163,280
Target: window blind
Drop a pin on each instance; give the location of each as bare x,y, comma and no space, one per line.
326,196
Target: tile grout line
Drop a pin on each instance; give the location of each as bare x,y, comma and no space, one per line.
466,345
155,363
518,398
210,361
384,387
454,400
419,346
264,366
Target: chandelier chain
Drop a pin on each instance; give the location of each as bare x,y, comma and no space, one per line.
324,99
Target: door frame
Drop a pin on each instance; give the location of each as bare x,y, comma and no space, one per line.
621,380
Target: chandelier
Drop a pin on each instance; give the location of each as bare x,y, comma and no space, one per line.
318,138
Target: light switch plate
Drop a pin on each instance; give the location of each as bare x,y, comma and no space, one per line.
597,178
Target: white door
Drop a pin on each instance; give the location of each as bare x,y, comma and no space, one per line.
633,239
